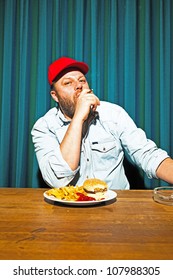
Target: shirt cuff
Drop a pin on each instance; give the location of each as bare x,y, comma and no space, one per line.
156,161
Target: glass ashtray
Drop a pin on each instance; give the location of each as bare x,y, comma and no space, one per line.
164,195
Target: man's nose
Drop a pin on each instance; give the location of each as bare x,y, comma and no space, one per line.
78,86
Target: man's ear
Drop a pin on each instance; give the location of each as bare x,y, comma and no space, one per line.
54,95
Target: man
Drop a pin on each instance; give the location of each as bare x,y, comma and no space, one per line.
84,137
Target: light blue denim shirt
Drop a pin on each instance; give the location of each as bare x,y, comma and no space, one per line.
102,149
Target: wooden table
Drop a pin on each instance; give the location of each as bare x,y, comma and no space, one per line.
133,227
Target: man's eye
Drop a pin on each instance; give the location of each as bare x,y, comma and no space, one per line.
82,81
67,83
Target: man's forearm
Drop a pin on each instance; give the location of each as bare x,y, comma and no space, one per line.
165,170
71,145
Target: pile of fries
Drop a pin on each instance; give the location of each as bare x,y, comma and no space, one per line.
68,193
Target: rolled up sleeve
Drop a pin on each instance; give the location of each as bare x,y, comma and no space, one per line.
143,152
54,169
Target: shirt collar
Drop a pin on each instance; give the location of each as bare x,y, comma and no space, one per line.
62,118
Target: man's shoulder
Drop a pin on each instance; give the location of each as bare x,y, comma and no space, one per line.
47,119
107,104
108,110
51,113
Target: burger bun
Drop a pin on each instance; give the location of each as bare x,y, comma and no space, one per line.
95,188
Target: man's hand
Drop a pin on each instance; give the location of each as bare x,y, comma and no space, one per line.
85,100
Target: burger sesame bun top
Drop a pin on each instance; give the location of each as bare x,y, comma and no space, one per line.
95,185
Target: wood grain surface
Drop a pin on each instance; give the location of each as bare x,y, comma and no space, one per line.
132,227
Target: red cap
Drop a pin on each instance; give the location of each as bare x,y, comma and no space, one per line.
64,63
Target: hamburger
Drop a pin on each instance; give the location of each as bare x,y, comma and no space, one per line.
95,188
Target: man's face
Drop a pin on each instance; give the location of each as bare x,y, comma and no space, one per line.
67,91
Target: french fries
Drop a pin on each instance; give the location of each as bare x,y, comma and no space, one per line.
68,193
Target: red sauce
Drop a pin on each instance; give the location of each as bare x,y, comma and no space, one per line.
83,197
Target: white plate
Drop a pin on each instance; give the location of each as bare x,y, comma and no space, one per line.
110,195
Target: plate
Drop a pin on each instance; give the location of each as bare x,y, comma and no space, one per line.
109,195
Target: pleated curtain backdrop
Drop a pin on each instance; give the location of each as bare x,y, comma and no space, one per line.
128,45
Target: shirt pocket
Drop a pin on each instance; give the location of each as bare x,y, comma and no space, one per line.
104,154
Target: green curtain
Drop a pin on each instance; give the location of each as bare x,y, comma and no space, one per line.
128,45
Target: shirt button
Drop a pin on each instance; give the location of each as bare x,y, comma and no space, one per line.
104,149
87,159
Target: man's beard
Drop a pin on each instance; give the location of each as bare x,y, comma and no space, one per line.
67,107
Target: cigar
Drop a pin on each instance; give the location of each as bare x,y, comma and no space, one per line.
91,110
90,90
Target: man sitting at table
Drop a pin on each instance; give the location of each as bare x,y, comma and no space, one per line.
84,137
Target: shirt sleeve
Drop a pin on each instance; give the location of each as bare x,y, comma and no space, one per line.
55,170
143,151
